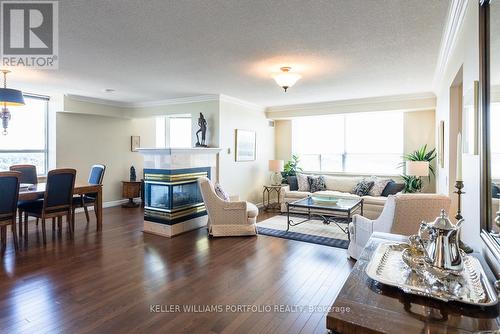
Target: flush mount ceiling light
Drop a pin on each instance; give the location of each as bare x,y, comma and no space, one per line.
285,78
8,97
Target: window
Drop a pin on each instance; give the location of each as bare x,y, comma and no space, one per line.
26,141
369,143
173,131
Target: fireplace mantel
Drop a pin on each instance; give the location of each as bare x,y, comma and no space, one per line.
180,158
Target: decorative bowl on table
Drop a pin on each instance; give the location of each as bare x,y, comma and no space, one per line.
323,199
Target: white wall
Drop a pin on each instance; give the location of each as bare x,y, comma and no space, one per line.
244,178
84,140
465,56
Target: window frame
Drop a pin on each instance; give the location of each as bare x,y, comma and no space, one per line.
343,155
45,150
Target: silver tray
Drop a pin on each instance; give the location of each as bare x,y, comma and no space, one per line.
471,286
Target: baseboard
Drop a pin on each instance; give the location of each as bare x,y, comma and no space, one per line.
105,205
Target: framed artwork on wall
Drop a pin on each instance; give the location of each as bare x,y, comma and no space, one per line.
441,144
135,143
245,145
470,120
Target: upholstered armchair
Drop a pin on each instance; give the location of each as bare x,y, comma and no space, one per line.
402,214
227,218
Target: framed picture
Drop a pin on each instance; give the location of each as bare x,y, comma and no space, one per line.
245,145
441,144
135,143
470,120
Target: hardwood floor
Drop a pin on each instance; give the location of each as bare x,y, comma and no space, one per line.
111,281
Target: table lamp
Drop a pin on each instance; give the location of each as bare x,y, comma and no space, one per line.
418,169
276,166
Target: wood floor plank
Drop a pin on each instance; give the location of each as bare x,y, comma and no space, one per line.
106,282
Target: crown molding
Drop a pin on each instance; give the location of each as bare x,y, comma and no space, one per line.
81,98
454,20
180,100
353,102
243,103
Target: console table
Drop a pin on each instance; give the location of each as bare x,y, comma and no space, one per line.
366,306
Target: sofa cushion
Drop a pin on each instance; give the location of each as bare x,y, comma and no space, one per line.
334,193
292,182
297,194
374,200
379,185
303,183
316,183
392,188
341,183
363,187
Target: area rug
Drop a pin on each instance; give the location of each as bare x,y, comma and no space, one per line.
313,231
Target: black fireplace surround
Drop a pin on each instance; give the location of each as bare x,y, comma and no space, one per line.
173,196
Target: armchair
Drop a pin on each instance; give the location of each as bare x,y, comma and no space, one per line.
227,218
402,214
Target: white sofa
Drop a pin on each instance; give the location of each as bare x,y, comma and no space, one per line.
340,186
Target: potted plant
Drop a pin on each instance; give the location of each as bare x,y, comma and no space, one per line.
291,168
414,183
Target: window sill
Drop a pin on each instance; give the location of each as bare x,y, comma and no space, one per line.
397,176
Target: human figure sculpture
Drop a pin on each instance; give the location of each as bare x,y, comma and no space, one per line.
202,123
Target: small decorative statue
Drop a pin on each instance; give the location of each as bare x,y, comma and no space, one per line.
133,176
202,123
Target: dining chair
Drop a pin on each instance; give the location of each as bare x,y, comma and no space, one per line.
57,201
85,200
9,183
28,176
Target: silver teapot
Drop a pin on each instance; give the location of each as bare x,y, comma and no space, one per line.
440,242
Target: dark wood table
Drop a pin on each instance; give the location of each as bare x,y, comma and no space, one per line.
366,306
37,191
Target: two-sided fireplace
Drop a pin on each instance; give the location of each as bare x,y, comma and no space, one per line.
173,196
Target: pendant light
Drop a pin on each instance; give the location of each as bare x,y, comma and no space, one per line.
286,79
8,97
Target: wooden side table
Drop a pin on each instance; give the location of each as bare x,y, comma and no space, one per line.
131,190
268,189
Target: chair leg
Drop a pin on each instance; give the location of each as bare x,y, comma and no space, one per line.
53,224
70,225
59,223
14,235
3,233
43,232
95,209
36,222
20,224
26,226
86,213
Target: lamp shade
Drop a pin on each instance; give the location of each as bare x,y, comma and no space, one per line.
276,165
417,168
11,97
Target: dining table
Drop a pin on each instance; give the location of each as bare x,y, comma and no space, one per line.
37,191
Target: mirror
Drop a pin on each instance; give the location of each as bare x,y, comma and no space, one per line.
490,123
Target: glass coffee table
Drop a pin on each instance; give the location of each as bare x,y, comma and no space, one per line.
329,209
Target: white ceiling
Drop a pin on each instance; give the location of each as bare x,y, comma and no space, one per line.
157,49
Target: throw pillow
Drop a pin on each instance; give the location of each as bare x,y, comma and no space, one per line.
392,188
302,182
316,183
221,193
363,187
379,185
292,182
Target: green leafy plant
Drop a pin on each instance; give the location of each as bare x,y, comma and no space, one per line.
414,183
291,168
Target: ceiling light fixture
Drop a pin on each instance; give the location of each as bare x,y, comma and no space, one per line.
285,78
9,97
